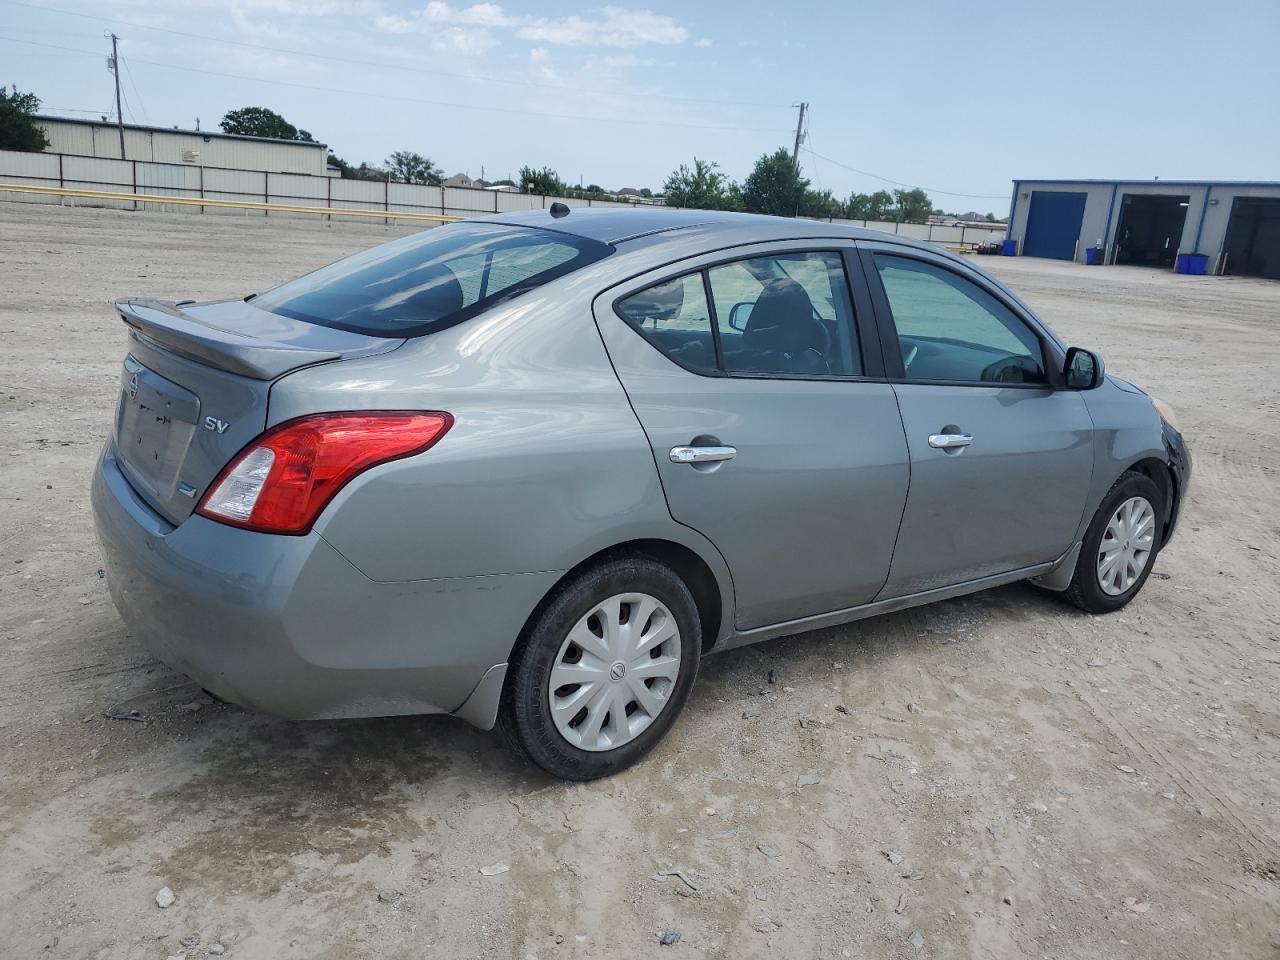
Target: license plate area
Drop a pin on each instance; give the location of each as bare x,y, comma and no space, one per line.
155,423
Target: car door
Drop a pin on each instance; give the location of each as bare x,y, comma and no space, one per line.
1000,459
775,434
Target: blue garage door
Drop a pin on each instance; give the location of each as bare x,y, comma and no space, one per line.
1053,225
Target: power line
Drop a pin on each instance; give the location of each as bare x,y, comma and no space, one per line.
816,175
137,94
381,95
74,110
899,183
481,78
128,107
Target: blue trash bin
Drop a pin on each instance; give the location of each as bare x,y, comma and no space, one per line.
1009,248
1193,264
1092,256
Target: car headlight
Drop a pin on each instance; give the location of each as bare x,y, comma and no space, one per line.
1166,412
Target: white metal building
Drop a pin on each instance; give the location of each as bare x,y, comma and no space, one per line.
96,138
1226,227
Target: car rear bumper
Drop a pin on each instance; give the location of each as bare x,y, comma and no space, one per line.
287,626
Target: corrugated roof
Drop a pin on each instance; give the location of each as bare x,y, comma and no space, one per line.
193,133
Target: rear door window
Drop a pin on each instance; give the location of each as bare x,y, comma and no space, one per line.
432,279
782,315
674,317
786,314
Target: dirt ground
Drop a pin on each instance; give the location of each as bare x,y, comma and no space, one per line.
1007,777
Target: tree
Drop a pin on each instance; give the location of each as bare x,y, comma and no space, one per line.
821,205
261,122
869,206
18,129
702,188
775,186
407,167
545,181
592,191
911,205
352,172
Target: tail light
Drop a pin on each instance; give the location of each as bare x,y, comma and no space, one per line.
281,481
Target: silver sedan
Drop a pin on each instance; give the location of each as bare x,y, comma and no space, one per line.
529,470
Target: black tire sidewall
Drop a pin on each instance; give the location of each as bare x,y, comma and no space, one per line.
525,714
1085,589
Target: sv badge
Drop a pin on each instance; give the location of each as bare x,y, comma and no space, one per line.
216,425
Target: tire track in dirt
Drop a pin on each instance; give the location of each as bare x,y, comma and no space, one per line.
1200,792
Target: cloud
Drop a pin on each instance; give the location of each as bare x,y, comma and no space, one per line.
255,28
468,42
476,15
610,27
627,60
704,42
305,8
393,24
430,18
615,27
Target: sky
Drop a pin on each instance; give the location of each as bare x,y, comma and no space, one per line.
957,98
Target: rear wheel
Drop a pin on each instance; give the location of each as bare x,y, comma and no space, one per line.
603,670
1119,547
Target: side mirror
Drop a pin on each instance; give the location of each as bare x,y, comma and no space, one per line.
739,315
1082,369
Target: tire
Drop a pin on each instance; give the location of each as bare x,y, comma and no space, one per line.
526,716
1086,589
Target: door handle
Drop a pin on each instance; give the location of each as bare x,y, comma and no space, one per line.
702,454
949,441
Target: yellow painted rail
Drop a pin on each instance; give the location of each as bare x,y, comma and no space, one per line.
226,204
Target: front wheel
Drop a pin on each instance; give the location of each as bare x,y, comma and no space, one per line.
1119,547
602,672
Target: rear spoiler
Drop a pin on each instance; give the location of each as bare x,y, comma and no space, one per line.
212,340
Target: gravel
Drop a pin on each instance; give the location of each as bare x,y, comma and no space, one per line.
285,831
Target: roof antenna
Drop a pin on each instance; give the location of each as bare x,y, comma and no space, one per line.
559,209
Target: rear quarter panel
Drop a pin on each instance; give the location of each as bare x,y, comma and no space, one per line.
545,465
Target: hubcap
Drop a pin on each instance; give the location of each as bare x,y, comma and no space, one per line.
615,672
1126,545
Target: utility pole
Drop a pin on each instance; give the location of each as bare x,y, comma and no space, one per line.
115,68
795,152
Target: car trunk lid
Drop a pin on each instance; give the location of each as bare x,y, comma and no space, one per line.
195,384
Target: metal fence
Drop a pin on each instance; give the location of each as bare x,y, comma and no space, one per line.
291,189
67,171
957,236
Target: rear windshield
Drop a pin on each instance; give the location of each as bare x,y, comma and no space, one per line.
432,279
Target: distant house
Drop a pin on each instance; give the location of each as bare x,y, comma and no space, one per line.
628,192
460,180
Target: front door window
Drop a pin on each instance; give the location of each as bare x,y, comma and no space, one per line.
953,331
